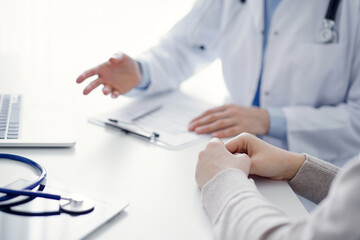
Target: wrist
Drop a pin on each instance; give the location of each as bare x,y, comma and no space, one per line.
265,121
296,161
144,77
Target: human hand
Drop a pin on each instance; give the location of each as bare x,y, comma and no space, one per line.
230,120
266,160
215,158
119,75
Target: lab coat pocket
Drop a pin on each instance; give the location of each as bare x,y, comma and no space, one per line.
321,72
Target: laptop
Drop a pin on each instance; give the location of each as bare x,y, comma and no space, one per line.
23,124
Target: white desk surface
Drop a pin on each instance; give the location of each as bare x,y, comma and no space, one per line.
44,46
158,183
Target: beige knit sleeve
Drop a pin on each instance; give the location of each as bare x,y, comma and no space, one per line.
314,178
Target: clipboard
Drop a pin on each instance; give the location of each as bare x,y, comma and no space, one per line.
162,119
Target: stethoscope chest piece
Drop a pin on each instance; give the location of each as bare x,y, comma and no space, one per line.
76,205
327,34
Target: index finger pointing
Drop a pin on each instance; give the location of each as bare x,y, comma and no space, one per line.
86,74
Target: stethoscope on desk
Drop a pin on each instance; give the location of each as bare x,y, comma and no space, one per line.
74,205
327,34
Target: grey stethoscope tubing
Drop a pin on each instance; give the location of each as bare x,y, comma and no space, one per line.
71,205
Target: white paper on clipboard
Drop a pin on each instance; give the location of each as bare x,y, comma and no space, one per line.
167,115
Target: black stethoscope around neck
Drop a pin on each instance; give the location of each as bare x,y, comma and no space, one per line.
327,34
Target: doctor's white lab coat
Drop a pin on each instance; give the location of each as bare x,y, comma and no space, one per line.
316,85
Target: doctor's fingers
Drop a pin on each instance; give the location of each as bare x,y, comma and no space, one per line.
215,126
210,111
207,119
94,84
107,89
115,94
89,73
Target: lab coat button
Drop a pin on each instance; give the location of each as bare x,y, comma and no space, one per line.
276,33
266,93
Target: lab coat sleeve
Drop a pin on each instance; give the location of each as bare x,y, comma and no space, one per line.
144,84
186,48
277,127
328,131
145,78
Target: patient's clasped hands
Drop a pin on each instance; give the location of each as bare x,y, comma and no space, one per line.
249,154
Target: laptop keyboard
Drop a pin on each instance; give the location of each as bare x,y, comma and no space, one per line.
9,116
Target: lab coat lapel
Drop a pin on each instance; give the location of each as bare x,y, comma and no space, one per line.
257,12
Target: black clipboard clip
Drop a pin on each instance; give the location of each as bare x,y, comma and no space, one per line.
151,137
